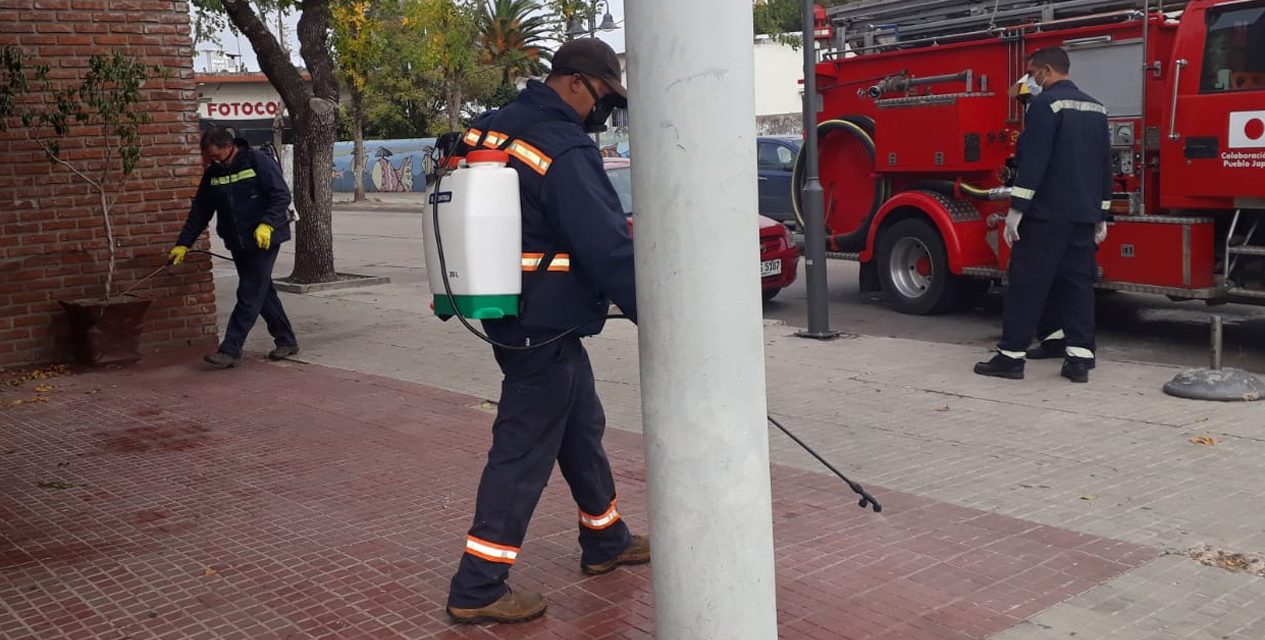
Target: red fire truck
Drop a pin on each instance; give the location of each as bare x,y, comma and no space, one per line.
917,140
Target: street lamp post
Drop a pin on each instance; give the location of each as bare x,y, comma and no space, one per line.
575,29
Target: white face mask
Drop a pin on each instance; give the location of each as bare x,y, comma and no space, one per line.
1034,89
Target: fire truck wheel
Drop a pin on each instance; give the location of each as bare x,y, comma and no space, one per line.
914,268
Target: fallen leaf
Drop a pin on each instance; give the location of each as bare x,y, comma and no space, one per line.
1089,497
57,485
92,392
1203,440
43,388
210,571
944,408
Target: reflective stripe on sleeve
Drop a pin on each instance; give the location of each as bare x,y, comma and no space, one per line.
494,139
491,551
1106,205
603,521
530,156
472,137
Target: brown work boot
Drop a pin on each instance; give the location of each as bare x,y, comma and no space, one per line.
638,552
514,606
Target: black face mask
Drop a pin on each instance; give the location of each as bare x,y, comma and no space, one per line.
595,122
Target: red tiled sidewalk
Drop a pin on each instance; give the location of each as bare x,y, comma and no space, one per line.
296,501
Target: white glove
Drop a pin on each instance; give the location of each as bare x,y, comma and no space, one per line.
1011,234
1100,232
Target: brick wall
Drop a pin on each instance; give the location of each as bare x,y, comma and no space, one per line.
52,241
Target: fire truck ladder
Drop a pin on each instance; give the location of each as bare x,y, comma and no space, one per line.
875,25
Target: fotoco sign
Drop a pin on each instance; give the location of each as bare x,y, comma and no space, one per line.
244,109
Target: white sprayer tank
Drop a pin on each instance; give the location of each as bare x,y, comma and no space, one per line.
480,225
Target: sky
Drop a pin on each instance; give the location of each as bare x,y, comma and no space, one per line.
234,44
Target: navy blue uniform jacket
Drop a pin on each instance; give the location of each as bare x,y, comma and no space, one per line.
250,191
1064,157
569,207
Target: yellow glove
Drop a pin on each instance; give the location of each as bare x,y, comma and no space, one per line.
176,255
263,236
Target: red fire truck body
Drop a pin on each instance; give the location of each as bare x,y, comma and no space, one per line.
917,139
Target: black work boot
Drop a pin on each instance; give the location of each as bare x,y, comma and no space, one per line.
1048,349
1001,366
517,605
1077,369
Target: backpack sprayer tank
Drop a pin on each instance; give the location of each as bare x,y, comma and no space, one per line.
480,229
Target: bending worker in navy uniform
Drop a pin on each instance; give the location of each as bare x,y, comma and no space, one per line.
1057,218
577,258
245,191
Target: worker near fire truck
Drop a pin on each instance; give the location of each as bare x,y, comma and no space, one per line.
1059,201
1052,341
577,258
245,191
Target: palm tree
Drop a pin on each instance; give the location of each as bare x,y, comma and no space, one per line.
514,33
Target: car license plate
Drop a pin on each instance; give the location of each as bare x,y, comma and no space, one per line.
770,268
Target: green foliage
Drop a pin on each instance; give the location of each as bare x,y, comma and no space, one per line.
514,34
783,19
104,106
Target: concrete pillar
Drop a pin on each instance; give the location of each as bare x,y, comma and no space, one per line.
692,110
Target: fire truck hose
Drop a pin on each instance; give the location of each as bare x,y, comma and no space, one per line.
955,189
861,127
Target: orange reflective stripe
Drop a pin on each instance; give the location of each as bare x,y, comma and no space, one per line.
530,156
491,551
495,139
472,137
560,262
603,521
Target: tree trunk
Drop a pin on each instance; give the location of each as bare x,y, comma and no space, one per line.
313,193
311,105
358,150
454,103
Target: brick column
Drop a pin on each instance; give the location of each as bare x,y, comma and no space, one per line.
52,242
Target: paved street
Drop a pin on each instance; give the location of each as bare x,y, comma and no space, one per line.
326,498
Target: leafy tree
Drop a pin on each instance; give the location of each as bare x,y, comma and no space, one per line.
514,34
312,106
448,45
361,42
104,106
783,19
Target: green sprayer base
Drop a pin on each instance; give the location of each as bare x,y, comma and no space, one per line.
478,307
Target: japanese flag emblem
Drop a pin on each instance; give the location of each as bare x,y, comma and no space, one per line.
1247,130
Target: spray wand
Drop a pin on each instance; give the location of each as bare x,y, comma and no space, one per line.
445,149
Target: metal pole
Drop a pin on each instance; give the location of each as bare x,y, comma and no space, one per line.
814,207
701,334
597,135
1216,342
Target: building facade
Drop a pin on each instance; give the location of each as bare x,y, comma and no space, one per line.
52,235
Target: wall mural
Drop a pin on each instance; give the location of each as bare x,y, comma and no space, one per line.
391,166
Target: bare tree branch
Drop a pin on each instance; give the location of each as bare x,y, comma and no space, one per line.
271,56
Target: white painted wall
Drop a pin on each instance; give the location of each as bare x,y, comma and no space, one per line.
778,71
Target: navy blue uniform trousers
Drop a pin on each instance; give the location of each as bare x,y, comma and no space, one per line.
255,297
1052,271
549,410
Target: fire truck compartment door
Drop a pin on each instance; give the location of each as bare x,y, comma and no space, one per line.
1214,144
1111,72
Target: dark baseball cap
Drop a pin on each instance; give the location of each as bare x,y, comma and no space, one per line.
592,57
